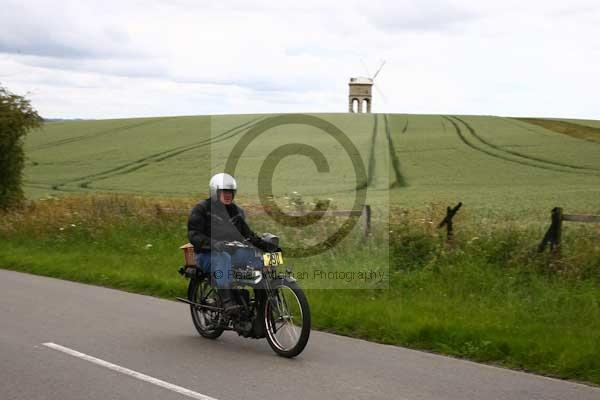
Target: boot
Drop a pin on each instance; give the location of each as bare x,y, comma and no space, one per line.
229,304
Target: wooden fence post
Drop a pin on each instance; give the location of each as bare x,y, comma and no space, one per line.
366,213
554,233
450,212
557,218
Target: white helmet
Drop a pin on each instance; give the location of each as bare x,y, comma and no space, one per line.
219,182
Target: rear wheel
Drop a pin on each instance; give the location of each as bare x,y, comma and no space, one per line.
206,321
287,318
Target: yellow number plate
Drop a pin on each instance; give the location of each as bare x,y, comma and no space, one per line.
272,259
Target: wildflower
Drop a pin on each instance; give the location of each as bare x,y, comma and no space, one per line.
148,246
73,225
61,229
473,239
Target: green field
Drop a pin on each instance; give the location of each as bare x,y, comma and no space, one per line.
492,164
489,297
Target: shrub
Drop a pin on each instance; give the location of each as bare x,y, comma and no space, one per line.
17,117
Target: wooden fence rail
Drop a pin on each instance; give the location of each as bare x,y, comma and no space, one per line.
581,218
554,233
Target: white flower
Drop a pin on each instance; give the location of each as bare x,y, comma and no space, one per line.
61,229
73,225
148,245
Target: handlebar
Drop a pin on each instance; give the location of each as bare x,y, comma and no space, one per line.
237,243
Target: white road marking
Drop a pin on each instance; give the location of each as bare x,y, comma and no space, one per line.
126,371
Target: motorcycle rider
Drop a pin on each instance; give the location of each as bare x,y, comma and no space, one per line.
217,220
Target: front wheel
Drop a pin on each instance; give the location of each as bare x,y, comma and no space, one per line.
287,318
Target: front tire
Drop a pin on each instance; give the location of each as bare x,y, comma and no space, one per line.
206,321
287,318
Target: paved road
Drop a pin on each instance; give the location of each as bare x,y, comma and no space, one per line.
156,338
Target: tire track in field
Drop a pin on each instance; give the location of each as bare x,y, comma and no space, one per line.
400,181
104,190
405,126
164,155
481,149
94,135
372,160
371,166
157,157
49,186
426,150
518,154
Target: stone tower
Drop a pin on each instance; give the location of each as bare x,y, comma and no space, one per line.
359,99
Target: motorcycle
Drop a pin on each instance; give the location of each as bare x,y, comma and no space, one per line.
273,306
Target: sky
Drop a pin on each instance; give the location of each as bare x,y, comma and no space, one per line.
118,59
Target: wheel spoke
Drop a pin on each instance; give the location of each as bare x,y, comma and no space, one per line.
284,308
205,295
290,329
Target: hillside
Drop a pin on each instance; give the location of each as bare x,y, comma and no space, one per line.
490,163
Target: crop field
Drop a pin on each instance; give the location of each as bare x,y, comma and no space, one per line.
494,165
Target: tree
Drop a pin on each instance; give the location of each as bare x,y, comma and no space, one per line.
17,117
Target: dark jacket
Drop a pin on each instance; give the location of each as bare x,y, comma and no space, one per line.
211,221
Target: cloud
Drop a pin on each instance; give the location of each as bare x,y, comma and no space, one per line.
182,42
417,15
134,58
133,68
71,32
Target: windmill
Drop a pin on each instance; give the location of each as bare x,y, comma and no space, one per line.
360,93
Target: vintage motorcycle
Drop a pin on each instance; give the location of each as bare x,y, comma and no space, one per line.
272,303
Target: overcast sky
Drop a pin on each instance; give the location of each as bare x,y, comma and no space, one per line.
89,59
